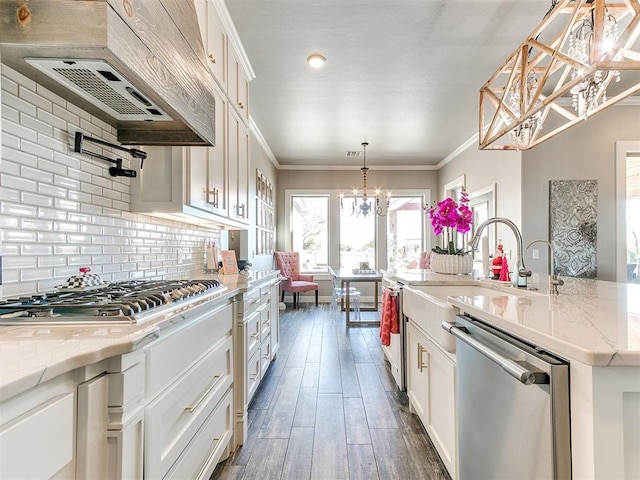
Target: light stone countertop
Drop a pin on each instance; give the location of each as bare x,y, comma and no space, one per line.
32,354
591,321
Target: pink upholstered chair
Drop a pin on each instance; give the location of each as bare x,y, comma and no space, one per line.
289,266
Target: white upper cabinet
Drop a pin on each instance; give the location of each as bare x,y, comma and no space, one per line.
214,39
238,87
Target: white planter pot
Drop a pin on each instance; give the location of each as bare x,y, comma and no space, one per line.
451,264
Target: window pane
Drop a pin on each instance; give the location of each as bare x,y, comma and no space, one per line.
404,232
309,230
357,240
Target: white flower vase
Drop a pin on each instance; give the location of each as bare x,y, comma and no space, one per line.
451,264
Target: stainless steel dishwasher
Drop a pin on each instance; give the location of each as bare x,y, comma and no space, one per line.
513,406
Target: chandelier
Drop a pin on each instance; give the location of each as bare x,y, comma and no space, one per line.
570,67
365,205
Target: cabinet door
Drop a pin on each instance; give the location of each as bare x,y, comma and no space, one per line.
216,45
238,168
40,444
198,191
93,423
238,87
274,307
442,405
218,169
417,372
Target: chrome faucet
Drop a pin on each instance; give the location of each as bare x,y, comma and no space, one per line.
520,279
554,280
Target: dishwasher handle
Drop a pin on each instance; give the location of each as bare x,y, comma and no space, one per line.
523,375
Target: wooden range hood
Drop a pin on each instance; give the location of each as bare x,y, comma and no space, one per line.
153,47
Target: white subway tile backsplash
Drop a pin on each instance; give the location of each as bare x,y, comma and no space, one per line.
36,200
19,262
66,249
64,114
89,128
17,236
39,126
40,249
19,131
92,209
78,111
10,141
10,114
34,224
52,190
52,143
9,85
66,182
52,119
33,274
19,157
53,214
44,154
19,104
102,201
79,260
16,181
62,210
51,261
64,204
55,99
51,237
72,163
34,99
35,174
20,210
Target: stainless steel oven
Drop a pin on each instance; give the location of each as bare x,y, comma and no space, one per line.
395,352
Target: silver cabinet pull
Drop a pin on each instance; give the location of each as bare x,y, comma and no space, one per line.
523,375
421,364
192,408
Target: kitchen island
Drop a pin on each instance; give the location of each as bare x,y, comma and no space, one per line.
591,324
87,400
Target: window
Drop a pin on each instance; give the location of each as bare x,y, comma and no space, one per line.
309,230
357,240
323,235
405,227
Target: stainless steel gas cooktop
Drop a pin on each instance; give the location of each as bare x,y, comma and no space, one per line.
122,302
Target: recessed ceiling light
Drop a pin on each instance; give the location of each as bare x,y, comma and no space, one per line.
316,60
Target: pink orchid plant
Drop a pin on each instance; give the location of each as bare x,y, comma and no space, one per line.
452,218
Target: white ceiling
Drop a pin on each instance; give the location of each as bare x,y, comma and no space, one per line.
403,75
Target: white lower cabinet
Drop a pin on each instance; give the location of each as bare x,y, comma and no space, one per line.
39,443
256,337
431,388
189,383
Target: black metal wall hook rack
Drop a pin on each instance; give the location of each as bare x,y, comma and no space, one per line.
116,171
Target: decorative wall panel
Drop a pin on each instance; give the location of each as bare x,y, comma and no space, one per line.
573,217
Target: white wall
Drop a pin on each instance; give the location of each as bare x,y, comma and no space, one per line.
584,152
61,210
484,168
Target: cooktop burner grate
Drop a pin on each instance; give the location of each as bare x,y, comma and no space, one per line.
121,299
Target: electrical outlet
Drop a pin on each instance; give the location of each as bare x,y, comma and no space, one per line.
535,253
180,256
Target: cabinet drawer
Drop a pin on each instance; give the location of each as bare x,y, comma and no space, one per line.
201,456
172,419
253,375
40,443
265,355
265,322
169,357
253,329
251,301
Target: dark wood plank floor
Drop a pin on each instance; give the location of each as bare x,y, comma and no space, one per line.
328,408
